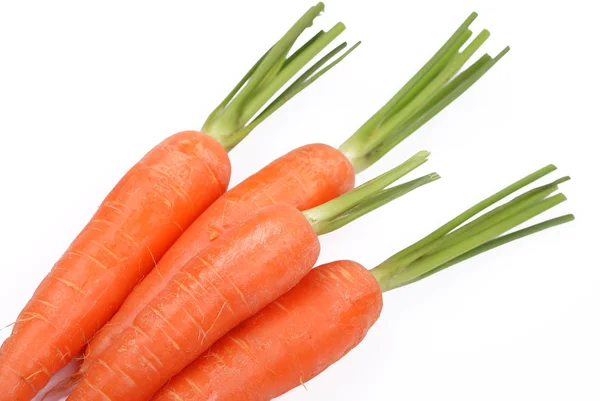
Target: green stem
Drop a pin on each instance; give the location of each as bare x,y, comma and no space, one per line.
303,48
215,114
485,221
459,240
311,75
232,120
495,243
327,217
372,203
410,89
472,211
275,57
436,104
453,66
258,100
427,78
427,263
433,88
358,194
490,218
464,81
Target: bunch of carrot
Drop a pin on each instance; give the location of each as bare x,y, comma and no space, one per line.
151,206
312,174
179,290
331,310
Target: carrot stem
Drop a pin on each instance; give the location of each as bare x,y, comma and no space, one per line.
367,197
423,76
483,222
373,202
505,239
427,78
472,211
428,92
237,115
449,70
311,75
446,246
436,104
430,262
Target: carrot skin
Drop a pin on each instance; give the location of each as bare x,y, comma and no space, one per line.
287,343
232,279
304,178
138,221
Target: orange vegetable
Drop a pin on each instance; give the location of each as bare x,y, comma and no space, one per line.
287,343
304,178
331,310
231,279
210,295
138,221
313,174
145,213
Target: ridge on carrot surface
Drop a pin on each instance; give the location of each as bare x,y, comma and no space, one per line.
146,212
437,84
333,307
239,273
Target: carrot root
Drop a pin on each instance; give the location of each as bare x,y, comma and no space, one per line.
137,222
304,178
210,295
288,343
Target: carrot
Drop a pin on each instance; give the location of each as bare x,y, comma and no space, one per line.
313,174
234,277
298,180
331,310
288,342
145,213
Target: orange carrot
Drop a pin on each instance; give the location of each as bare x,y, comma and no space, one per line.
312,174
304,178
234,277
287,343
138,221
331,310
144,215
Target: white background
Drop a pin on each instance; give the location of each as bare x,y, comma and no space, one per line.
86,88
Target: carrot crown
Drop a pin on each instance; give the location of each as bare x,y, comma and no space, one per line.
237,114
437,84
367,197
454,242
